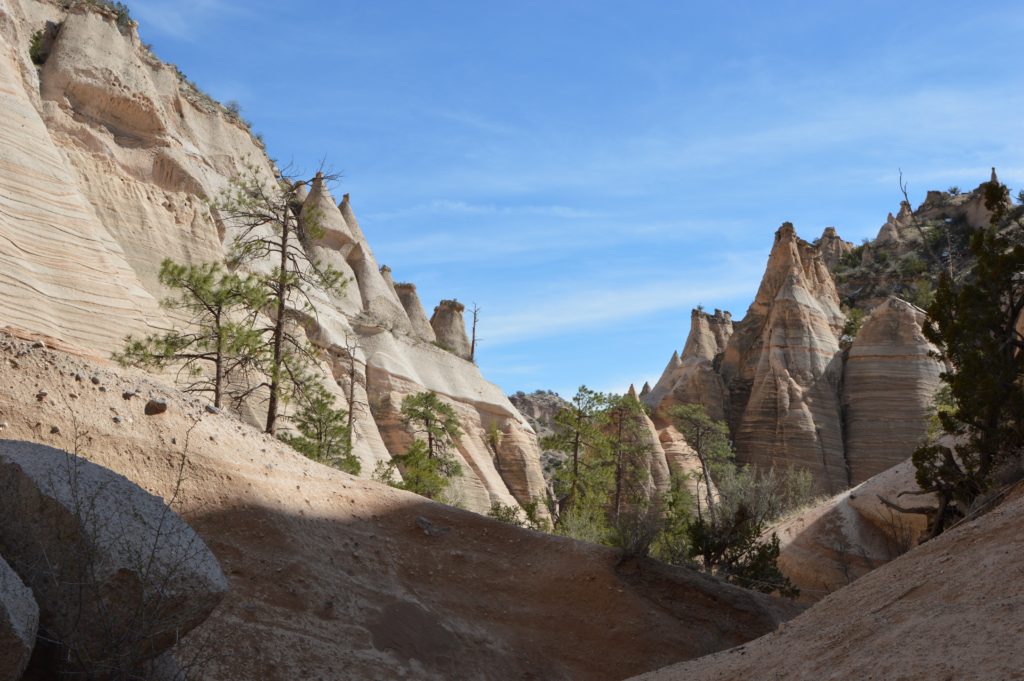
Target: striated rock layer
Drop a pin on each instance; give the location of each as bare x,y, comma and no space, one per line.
781,367
110,161
791,393
889,385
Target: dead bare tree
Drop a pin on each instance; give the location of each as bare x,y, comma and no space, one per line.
472,344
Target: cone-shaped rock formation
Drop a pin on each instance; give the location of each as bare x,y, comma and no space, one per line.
414,309
888,388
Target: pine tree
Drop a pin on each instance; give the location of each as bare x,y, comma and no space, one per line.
220,340
429,464
977,326
578,433
268,232
324,433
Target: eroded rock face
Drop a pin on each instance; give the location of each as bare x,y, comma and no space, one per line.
414,309
832,247
109,162
450,328
782,367
116,573
889,386
692,377
19,619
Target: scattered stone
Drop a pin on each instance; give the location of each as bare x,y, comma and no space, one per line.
3,424
54,430
429,528
39,344
156,406
41,395
56,510
19,619
103,388
79,377
210,409
129,394
95,378
118,419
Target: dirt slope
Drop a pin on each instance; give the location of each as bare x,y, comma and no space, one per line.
333,577
952,609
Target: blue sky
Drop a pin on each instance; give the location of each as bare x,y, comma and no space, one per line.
587,171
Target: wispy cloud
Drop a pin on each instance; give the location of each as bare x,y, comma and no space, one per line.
181,19
455,207
585,307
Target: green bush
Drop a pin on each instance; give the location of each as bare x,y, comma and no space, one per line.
854,320
35,48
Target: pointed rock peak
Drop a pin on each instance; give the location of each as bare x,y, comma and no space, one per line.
414,310
350,218
646,390
301,191
631,393
994,179
675,361
829,233
786,232
890,217
905,210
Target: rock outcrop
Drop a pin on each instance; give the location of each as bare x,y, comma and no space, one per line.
110,161
692,378
116,573
782,371
450,328
831,544
336,577
832,247
19,620
889,385
961,588
414,309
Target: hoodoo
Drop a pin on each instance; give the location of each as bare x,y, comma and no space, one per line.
450,328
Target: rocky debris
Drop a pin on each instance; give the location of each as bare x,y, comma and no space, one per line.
429,528
97,551
450,328
210,409
129,394
95,379
155,406
19,619
889,385
41,395
414,309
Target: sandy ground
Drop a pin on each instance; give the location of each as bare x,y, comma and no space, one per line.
949,610
333,577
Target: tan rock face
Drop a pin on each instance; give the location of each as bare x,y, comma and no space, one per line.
782,367
889,386
108,162
450,327
692,377
832,247
414,309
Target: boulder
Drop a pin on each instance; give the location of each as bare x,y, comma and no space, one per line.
118,576
19,618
